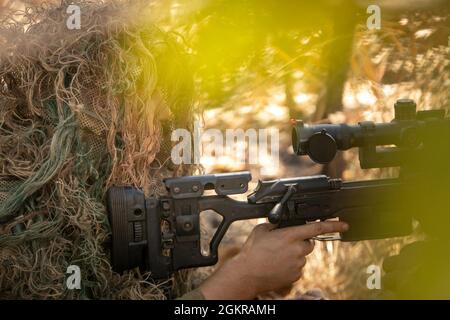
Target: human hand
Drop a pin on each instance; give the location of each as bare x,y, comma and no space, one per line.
269,260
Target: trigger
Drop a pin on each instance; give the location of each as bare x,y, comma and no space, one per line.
331,237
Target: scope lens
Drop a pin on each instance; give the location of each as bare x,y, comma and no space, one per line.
322,147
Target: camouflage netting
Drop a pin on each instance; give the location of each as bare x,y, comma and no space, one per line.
81,110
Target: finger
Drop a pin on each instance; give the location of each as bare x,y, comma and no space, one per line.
301,262
296,275
264,227
311,230
306,247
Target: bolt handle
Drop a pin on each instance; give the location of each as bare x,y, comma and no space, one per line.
276,212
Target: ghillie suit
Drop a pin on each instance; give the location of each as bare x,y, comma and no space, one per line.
81,110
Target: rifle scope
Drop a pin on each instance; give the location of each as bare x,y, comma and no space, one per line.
321,142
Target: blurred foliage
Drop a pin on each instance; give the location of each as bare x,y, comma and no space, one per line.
246,46
242,49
